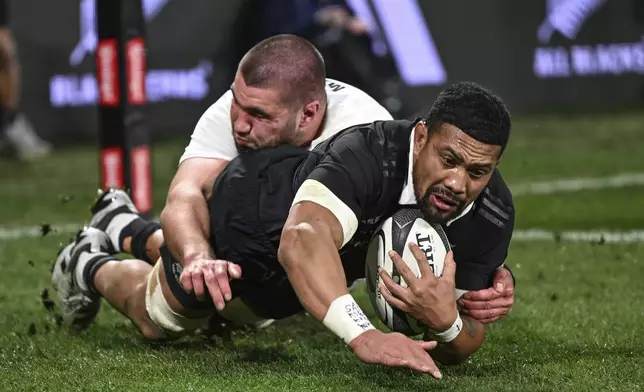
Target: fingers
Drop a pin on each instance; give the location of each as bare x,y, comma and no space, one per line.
421,259
499,282
234,271
500,302
489,321
403,268
425,363
186,281
417,359
393,287
481,315
212,281
221,274
393,301
427,345
488,294
503,280
449,267
196,278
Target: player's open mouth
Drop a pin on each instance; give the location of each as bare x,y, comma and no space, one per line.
442,202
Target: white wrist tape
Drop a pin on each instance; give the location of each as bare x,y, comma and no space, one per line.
346,319
452,332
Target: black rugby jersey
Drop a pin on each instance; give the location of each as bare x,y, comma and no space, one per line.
367,168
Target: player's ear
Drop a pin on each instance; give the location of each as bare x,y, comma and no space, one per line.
308,113
421,135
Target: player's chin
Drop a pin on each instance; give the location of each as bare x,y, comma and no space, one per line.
433,214
243,148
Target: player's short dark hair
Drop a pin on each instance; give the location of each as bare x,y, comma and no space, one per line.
288,63
473,109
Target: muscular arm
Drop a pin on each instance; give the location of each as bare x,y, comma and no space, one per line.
466,343
185,218
308,252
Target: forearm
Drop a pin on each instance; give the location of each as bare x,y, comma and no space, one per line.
311,260
465,344
185,224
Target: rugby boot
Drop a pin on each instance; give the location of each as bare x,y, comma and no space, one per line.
112,211
74,266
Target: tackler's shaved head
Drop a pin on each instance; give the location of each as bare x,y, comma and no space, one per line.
288,63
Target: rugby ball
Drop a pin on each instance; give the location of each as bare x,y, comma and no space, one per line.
405,226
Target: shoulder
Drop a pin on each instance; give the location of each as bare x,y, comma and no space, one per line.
212,136
220,110
349,102
374,137
348,106
495,204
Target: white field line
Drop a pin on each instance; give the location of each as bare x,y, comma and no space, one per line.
620,180
537,188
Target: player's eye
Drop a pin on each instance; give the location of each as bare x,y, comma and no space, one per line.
448,161
477,173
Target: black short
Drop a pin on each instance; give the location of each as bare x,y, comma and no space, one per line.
272,298
248,208
4,13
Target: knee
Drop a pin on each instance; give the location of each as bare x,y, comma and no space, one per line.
150,332
137,308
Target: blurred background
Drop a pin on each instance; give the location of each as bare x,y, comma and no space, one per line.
570,71
541,55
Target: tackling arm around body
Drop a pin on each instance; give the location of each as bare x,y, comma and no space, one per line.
186,227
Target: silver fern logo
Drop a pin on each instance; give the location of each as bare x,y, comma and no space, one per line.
567,18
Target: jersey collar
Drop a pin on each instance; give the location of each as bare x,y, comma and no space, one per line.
408,196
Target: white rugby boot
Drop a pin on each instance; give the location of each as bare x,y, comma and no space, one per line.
112,211
78,302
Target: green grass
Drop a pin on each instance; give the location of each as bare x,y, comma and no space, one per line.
576,324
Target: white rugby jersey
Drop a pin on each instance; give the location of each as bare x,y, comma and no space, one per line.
347,106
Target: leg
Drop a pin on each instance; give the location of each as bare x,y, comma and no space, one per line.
123,285
115,214
84,271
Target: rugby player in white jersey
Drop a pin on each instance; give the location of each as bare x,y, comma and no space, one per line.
279,96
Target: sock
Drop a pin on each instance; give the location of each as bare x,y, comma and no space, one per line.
140,230
118,224
88,264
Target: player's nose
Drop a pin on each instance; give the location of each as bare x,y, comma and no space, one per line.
242,128
456,181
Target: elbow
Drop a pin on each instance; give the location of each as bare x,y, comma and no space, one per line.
291,242
180,195
458,356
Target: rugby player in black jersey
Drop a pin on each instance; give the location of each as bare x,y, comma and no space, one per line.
298,223
341,191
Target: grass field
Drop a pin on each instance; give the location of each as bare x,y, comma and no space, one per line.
576,324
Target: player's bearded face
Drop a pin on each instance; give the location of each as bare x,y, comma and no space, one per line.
265,135
259,118
450,170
